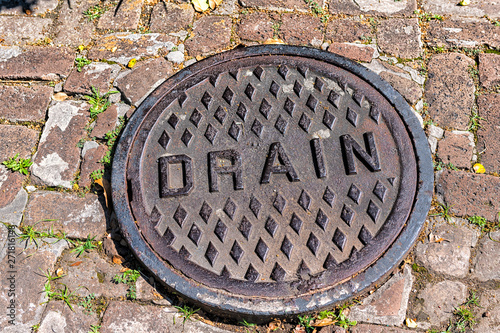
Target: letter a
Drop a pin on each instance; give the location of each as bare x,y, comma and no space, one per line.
286,166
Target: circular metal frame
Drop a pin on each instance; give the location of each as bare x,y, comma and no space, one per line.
261,306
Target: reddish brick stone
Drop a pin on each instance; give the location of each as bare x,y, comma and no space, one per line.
124,17
488,135
30,300
73,28
78,217
19,7
210,34
470,194
18,103
487,260
489,69
91,162
135,85
170,17
58,317
36,63
10,184
256,26
481,8
451,256
449,90
400,37
457,148
388,304
105,122
58,157
97,74
367,328
122,47
355,52
301,29
379,7
441,299
463,33
22,30
278,4
410,90
16,140
346,30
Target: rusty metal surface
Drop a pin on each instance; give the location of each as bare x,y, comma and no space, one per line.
267,174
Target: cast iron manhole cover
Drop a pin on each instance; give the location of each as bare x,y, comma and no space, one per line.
272,180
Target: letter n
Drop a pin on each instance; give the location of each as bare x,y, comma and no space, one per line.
368,157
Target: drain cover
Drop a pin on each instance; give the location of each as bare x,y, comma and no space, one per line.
272,180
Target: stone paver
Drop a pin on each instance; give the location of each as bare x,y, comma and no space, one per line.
97,74
58,317
400,38
122,47
125,16
457,148
463,33
12,213
410,90
364,328
91,162
37,63
136,84
89,273
278,4
16,140
447,250
126,317
19,7
489,315
346,30
487,260
256,27
301,29
19,103
381,7
22,30
481,8
450,90
210,34
488,135
489,69
440,300
388,304
73,28
105,122
354,51
77,217
57,158
171,17
470,194
29,283
10,185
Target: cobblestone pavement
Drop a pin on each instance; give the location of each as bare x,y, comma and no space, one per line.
443,58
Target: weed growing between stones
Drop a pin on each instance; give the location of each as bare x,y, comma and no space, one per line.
93,13
186,313
87,304
83,247
81,62
317,10
30,235
99,103
326,318
474,121
426,17
94,328
444,213
129,278
20,165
